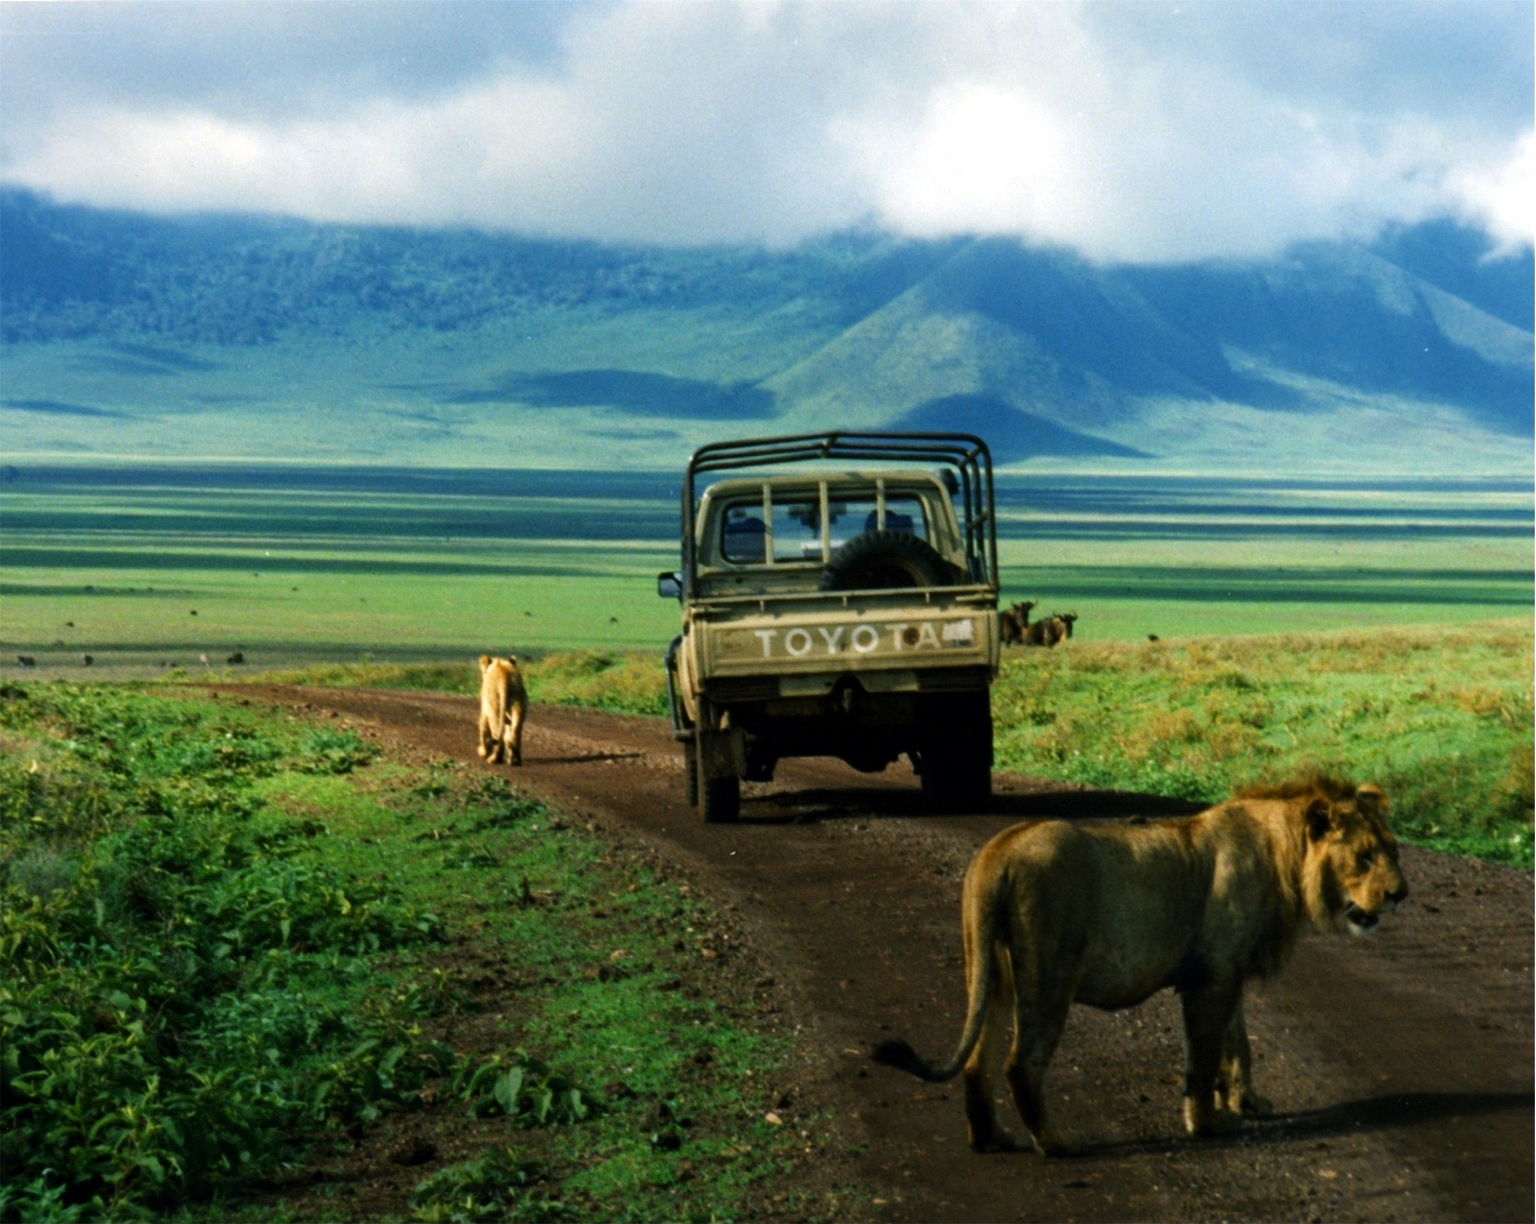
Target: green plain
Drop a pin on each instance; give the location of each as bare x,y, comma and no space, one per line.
303,564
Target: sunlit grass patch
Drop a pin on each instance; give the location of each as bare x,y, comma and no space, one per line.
626,683
1440,717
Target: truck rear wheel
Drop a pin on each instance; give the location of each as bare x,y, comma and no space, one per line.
722,800
957,759
717,788
691,772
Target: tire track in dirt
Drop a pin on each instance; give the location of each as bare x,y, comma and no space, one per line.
1401,1064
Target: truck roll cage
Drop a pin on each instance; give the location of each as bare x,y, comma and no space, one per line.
964,455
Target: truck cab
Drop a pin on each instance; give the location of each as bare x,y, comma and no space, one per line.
835,610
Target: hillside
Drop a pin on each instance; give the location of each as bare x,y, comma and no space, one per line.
127,335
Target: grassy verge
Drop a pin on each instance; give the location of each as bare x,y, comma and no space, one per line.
244,957
603,680
1439,716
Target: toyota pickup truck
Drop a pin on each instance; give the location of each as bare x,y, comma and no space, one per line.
839,598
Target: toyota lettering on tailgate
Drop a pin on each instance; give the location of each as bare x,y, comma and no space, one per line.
895,637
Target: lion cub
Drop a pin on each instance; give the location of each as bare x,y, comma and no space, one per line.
1055,913
503,705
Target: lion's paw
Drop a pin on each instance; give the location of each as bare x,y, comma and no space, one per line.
1062,1143
998,1141
1203,1123
1255,1106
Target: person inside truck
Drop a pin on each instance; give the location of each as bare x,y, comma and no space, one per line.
743,536
893,521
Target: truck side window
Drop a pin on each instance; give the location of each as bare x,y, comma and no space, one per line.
797,529
742,537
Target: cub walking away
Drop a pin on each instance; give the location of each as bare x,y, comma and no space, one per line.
1054,914
503,706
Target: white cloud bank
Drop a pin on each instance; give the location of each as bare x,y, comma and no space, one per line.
1138,132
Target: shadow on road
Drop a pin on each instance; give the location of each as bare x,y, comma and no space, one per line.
1394,1111
591,758
888,803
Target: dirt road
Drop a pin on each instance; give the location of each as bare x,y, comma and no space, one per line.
1401,1064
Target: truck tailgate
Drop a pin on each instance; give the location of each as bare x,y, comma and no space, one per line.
802,640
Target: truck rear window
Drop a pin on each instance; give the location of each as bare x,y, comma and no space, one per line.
797,526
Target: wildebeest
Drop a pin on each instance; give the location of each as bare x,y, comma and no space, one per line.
1012,622
26,660
1051,630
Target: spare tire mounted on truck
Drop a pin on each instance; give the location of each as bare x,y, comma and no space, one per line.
879,560
836,611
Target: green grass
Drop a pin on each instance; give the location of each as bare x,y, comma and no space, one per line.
603,680
233,942
1441,718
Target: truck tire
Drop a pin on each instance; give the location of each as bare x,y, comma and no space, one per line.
722,800
884,560
691,772
957,757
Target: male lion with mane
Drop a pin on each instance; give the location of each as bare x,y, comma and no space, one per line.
1055,914
503,705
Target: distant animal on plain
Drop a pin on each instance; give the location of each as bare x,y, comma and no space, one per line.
237,657
1012,622
26,660
87,660
503,707
1152,637
1050,631
1054,913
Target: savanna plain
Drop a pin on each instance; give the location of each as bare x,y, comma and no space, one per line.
247,945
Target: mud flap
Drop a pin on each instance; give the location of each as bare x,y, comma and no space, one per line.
723,754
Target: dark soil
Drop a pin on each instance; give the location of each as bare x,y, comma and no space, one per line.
1400,1065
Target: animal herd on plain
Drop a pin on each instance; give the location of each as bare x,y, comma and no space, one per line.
1055,913
1014,628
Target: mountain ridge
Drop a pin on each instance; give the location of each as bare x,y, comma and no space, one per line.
272,338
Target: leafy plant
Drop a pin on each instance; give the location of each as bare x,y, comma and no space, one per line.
497,1187
524,1089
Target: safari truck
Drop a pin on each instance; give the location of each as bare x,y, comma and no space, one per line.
841,601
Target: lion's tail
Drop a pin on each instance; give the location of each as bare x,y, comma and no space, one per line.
982,964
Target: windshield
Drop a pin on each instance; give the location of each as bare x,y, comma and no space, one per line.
797,525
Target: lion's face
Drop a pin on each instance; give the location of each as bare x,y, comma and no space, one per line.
1352,870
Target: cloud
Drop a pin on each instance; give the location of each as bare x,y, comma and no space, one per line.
1130,132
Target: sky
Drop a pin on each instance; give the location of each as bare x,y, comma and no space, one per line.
1130,132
